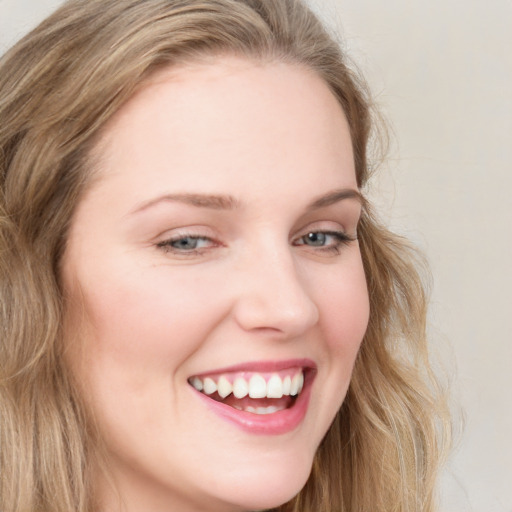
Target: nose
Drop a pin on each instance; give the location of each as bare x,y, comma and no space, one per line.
273,295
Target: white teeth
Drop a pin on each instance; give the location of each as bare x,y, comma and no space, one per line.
240,388
262,410
257,387
287,384
267,410
224,387
275,387
297,383
197,383
209,386
301,382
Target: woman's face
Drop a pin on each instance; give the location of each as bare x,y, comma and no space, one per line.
211,268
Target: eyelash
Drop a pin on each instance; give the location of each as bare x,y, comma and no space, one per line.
167,245
340,239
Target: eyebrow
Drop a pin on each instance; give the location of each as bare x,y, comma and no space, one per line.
227,202
336,196
214,202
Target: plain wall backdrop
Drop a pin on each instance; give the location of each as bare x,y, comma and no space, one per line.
442,73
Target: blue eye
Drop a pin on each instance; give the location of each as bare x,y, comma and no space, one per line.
186,244
326,240
316,239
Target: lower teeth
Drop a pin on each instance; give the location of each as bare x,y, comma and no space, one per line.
259,410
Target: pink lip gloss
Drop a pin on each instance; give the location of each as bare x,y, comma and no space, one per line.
273,423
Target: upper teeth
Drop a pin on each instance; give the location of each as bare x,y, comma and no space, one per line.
256,386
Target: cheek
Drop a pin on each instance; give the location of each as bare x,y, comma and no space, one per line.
344,312
345,308
149,317
134,333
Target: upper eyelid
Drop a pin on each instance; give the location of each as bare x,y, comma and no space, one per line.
186,231
209,234
325,226
342,236
180,236
325,222
166,246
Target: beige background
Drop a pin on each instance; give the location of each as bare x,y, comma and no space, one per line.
442,73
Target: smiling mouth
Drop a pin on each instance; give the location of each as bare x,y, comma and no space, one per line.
260,393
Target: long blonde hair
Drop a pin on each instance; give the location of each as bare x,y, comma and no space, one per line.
58,87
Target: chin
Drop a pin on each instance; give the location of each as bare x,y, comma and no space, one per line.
270,486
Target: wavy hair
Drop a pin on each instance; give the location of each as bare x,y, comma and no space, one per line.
58,88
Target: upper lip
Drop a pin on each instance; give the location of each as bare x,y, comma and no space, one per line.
262,366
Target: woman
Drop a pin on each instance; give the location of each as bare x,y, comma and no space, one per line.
200,311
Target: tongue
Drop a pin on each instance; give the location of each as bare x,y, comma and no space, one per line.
231,400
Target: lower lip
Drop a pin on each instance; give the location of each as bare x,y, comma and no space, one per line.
280,422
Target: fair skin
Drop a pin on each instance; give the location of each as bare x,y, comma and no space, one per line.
217,240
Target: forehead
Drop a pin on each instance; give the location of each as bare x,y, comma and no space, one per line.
225,118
